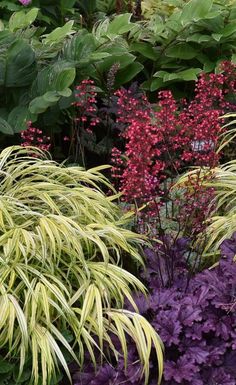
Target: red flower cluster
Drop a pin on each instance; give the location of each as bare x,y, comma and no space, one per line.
86,103
161,141
34,137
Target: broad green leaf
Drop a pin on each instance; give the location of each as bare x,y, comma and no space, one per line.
49,99
31,16
229,30
199,38
22,19
66,92
56,77
18,118
181,51
97,56
189,74
195,10
144,49
5,127
42,103
64,79
213,25
128,73
217,36
10,6
120,24
156,84
118,54
80,47
59,34
20,65
67,5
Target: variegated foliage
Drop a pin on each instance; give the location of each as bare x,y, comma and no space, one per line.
61,242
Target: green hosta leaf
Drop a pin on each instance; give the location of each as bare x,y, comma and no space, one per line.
21,65
80,47
186,75
67,5
5,128
64,79
10,6
49,99
42,103
59,34
96,56
217,36
56,77
22,19
189,74
124,59
214,25
199,38
6,38
66,93
229,30
181,51
209,66
128,73
195,10
156,84
120,24
144,49
19,117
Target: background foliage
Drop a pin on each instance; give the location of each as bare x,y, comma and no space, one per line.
40,67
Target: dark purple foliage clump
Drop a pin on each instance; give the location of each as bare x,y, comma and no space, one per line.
196,320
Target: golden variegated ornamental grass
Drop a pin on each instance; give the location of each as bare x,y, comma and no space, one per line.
61,242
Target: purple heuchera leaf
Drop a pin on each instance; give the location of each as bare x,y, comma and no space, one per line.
168,326
162,299
105,376
181,370
197,324
219,376
197,354
189,311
